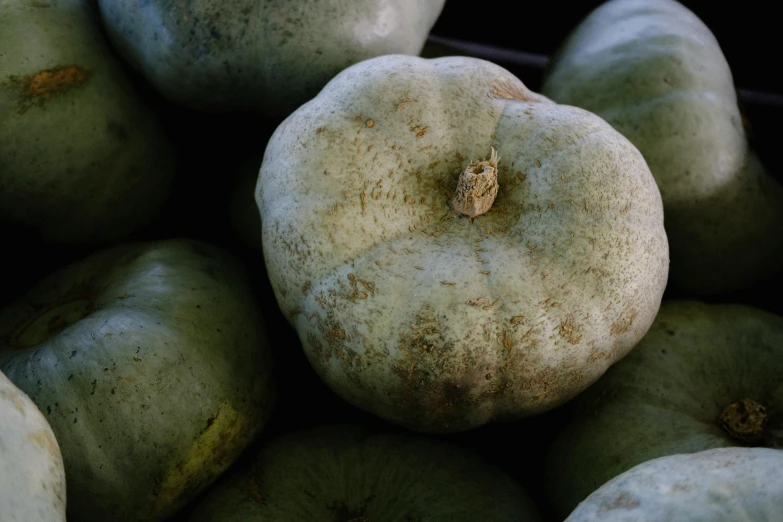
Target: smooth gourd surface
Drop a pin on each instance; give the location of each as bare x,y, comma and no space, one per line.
345,474
270,55
667,395
437,321
150,362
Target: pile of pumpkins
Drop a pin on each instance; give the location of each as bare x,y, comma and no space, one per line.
439,248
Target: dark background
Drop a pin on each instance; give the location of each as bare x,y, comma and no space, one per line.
749,32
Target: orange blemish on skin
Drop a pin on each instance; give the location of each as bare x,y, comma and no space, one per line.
46,84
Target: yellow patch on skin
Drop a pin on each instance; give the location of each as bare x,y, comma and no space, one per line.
46,84
210,454
45,439
15,397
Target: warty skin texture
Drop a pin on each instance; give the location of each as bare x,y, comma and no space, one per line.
439,322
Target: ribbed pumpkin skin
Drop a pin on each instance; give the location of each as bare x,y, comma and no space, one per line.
82,158
344,473
438,321
666,396
717,485
266,55
32,478
151,364
656,73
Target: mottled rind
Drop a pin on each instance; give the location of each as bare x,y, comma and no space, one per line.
654,71
32,478
158,388
346,474
717,485
411,311
670,395
265,55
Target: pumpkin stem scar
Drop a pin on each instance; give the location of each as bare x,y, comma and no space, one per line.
44,85
744,420
477,187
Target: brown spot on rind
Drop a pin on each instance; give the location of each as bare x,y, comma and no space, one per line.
624,322
622,501
569,330
429,393
42,86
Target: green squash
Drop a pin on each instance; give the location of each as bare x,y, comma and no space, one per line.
82,159
151,364
32,478
348,474
422,314
717,485
270,55
655,72
704,376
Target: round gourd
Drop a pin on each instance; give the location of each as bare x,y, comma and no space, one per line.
82,159
346,474
270,55
409,308
704,376
656,73
718,485
32,478
150,362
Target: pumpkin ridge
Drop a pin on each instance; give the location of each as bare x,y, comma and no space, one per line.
515,301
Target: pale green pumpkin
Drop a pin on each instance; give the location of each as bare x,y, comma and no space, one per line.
269,55
347,474
32,478
151,364
82,158
704,376
655,72
717,485
428,317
